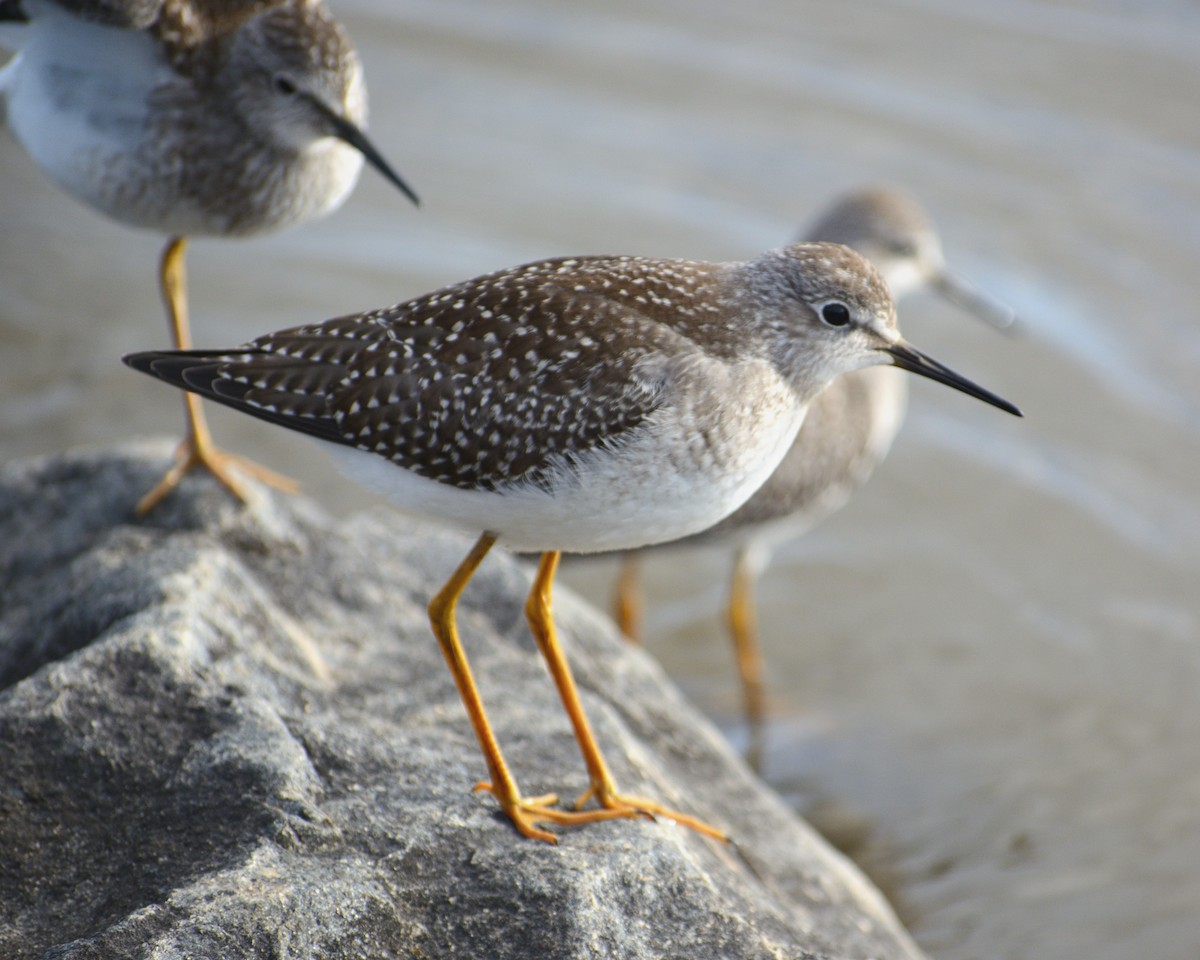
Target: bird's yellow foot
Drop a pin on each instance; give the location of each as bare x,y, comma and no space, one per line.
623,804
527,812
191,455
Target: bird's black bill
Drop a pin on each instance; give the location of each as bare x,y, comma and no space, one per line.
914,361
965,294
358,140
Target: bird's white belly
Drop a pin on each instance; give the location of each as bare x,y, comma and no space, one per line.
639,496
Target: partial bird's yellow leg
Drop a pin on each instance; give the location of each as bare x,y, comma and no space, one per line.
627,598
197,448
603,788
742,619
525,812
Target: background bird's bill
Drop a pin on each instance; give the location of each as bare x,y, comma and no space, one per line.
958,290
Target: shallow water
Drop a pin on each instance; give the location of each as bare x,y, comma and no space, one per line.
985,670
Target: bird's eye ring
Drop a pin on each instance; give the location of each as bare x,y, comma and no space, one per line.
835,314
284,85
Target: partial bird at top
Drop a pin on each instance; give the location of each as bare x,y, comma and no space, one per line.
221,118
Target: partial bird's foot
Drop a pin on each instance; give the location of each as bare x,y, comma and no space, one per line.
192,454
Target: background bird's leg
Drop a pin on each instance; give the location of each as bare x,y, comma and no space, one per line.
603,788
197,448
743,631
628,605
524,813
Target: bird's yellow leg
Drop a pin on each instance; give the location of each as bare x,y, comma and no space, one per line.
743,631
627,598
603,788
525,812
197,448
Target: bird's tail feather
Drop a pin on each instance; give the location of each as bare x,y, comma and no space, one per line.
208,374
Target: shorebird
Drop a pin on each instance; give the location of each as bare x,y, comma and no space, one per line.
221,118
846,434
579,404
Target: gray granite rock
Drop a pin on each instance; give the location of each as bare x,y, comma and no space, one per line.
227,732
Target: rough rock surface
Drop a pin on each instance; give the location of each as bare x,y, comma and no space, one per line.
227,732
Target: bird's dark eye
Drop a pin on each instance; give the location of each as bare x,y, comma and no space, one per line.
283,85
835,314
